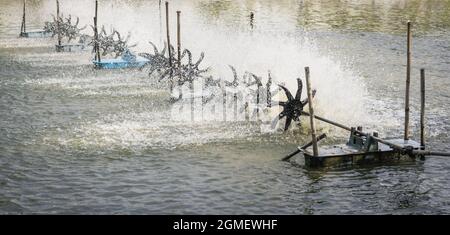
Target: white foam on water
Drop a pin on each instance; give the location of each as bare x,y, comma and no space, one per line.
18,42
145,130
104,85
56,59
341,93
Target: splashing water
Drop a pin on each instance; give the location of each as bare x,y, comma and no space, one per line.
95,141
340,92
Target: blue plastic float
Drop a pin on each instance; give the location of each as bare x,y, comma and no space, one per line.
127,60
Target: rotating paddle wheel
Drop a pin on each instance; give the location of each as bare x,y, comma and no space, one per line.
293,107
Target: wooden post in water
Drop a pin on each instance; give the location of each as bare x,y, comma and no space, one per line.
268,92
311,111
23,28
96,44
168,34
57,23
95,40
300,149
408,81
224,109
179,38
191,83
169,46
422,108
246,111
204,101
258,89
252,19
160,23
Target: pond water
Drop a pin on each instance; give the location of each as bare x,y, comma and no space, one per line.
74,139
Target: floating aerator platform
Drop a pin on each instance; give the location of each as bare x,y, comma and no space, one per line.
71,47
126,58
34,33
121,63
362,149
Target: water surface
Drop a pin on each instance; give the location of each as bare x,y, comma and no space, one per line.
78,140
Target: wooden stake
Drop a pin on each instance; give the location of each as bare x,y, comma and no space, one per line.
311,111
168,45
323,136
422,108
23,29
246,110
179,38
96,46
258,86
203,102
168,33
95,39
252,18
224,104
408,81
268,92
179,54
160,23
57,23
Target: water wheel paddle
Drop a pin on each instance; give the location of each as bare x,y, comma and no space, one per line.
293,107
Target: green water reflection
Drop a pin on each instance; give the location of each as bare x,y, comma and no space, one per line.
429,16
